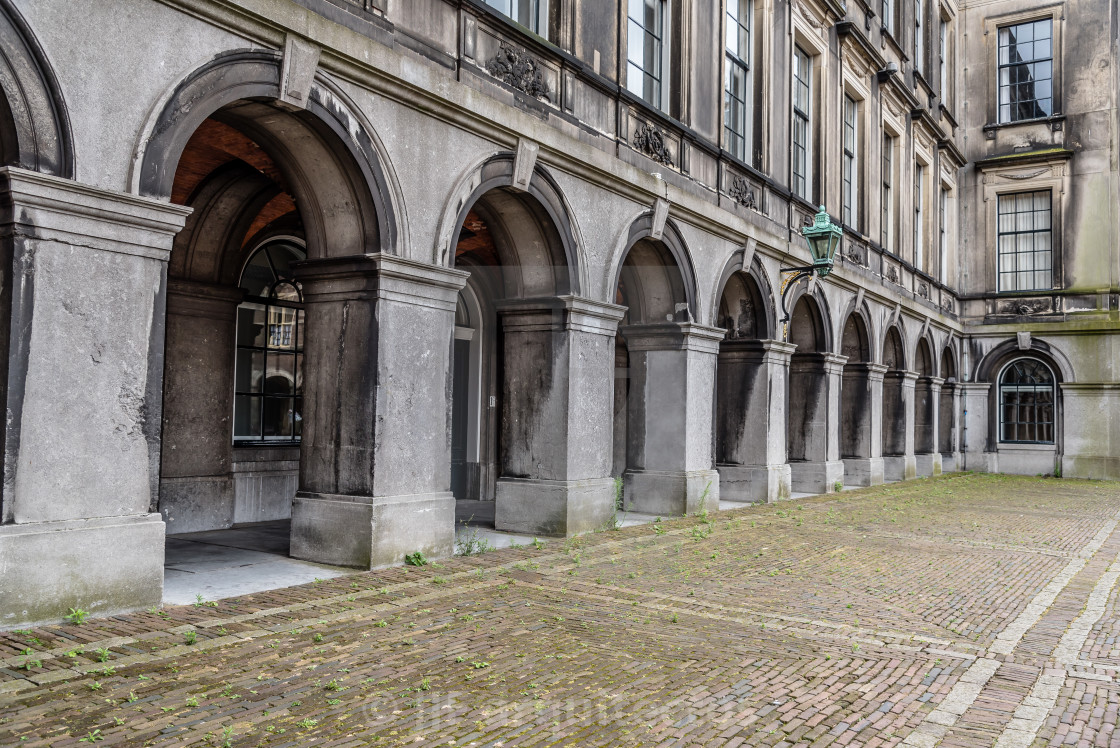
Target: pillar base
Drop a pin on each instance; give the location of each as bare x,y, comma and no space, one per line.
371,531
816,477
107,566
899,467
671,493
863,471
558,508
950,462
196,503
754,484
927,465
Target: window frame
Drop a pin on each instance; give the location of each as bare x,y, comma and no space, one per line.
919,214
850,171
662,57
539,26
1000,287
805,117
1001,404
1000,66
738,144
886,192
919,38
296,350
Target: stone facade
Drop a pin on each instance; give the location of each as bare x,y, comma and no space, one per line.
350,261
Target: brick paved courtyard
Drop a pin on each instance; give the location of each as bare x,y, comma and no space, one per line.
961,611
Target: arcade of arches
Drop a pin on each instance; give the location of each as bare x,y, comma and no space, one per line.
247,335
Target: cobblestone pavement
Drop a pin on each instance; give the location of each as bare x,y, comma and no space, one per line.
960,611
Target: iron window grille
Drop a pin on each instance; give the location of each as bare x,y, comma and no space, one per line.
802,129
850,167
645,49
268,372
1026,398
1025,241
1026,71
737,80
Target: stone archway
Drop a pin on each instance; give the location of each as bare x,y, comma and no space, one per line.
898,410
860,403
669,379
751,373
927,394
812,434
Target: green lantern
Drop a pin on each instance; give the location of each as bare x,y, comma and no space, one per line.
824,239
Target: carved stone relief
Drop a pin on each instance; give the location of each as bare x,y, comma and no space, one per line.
651,141
1024,307
516,68
742,193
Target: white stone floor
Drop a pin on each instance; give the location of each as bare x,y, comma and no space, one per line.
254,558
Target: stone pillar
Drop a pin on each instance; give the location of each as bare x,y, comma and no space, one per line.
927,455
898,425
814,443
948,423
1088,442
976,444
82,333
862,419
375,455
557,416
751,420
196,480
669,439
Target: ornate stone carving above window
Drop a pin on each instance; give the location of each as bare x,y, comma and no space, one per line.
651,142
890,272
856,254
1024,307
516,68
742,193
923,290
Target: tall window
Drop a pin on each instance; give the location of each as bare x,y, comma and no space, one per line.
919,41
645,49
943,58
888,16
943,237
919,249
532,14
737,77
888,193
851,164
1026,71
1026,399
1025,241
802,123
268,377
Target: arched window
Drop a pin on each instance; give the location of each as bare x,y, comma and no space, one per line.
1026,398
268,381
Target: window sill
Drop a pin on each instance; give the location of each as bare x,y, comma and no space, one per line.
1056,122
1027,446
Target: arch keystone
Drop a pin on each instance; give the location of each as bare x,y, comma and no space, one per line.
301,60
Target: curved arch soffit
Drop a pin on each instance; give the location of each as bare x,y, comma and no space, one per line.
44,137
757,273
255,75
998,357
904,347
641,228
863,311
225,203
931,354
820,301
496,171
949,351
